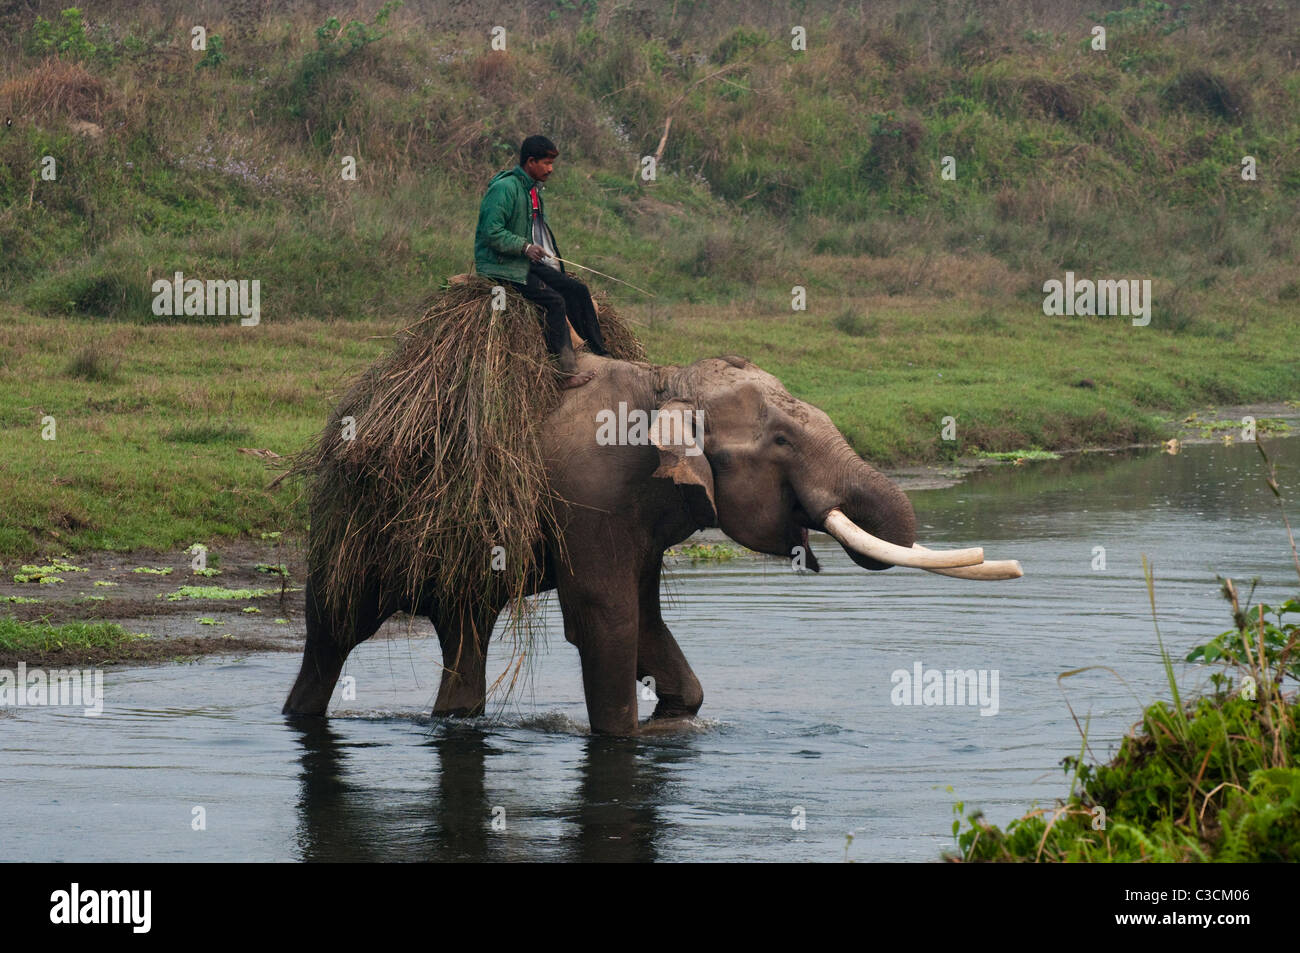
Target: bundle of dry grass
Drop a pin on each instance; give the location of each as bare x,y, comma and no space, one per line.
441,462
56,89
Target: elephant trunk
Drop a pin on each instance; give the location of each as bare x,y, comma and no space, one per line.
875,523
868,499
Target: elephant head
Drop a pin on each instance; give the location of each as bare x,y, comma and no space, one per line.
779,467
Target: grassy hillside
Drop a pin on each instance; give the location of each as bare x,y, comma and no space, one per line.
1126,160
819,168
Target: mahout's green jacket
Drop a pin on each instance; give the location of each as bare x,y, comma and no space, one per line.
505,227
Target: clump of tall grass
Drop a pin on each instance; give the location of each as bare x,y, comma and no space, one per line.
91,363
31,639
57,89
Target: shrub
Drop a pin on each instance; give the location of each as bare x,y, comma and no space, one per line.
64,37
1206,91
853,324
894,154
738,41
92,364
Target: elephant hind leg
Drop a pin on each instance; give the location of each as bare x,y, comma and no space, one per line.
464,633
325,652
660,657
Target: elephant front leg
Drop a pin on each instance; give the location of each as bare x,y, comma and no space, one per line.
609,683
322,661
660,658
462,692
603,627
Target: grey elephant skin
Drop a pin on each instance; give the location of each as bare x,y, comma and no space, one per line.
750,458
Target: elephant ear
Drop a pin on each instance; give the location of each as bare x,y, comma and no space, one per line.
678,433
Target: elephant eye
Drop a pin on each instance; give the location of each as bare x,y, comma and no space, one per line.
781,441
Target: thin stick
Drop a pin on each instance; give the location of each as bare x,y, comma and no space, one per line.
659,153
602,274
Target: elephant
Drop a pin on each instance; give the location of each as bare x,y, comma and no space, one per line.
638,460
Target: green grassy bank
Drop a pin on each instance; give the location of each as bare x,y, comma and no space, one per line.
152,425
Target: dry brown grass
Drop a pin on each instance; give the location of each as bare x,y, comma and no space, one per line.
57,89
445,463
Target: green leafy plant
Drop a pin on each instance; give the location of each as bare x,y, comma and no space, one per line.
1262,637
66,36
336,45
1262,823
215,55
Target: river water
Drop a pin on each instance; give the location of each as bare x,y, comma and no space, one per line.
799,741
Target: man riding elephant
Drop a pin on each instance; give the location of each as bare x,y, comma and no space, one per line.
514,243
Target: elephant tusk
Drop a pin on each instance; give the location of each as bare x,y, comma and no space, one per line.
988,571
854,537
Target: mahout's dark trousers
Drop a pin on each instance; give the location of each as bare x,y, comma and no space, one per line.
561,296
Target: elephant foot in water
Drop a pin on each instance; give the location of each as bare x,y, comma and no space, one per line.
460,697
672,715
666,725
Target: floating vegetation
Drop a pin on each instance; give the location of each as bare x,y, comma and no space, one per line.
705,552
1267,426
1017,456
218,592
46,574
